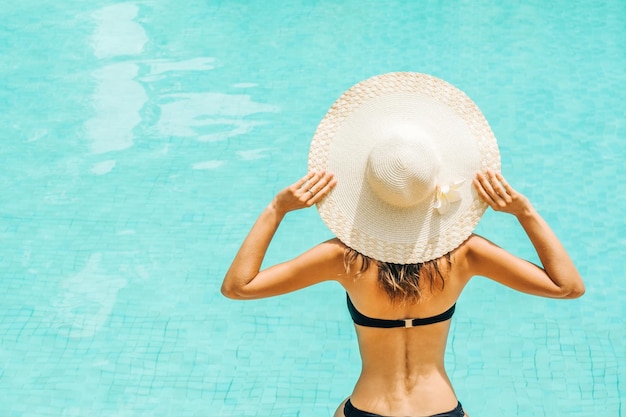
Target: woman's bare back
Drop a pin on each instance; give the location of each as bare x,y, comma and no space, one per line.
403,368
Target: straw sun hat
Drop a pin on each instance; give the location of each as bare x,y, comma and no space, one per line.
404,148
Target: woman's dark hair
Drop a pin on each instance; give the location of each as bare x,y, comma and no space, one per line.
401,282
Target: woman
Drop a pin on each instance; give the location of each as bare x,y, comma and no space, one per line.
414,165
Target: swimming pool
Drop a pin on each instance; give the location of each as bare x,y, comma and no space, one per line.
141,139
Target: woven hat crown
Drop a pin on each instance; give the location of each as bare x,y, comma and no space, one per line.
402,172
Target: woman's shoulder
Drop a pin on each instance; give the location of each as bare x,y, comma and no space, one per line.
472,250
473,245
330,254
333,248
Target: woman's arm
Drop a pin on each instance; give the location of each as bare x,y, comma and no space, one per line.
245,280
558,278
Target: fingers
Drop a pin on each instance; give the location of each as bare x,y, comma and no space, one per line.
304,179
317,186
481,189
498,187
321,188
509,190
493,189
312,188
305,192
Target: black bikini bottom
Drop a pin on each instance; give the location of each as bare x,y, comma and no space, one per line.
351,411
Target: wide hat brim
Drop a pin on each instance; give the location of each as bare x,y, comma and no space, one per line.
375,110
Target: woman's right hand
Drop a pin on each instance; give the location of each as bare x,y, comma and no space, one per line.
306,192
496,191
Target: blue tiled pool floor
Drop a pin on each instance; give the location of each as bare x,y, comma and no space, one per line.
141,139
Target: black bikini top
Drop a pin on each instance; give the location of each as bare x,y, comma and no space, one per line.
363,320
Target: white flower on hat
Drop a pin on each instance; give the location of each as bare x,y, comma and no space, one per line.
447,194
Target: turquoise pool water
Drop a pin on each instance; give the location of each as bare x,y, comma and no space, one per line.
139,141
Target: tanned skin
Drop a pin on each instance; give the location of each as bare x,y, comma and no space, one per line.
403,369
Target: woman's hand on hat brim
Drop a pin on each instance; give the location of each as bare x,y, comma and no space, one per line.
307,191
496,191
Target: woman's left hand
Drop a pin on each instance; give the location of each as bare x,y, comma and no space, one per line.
307,191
